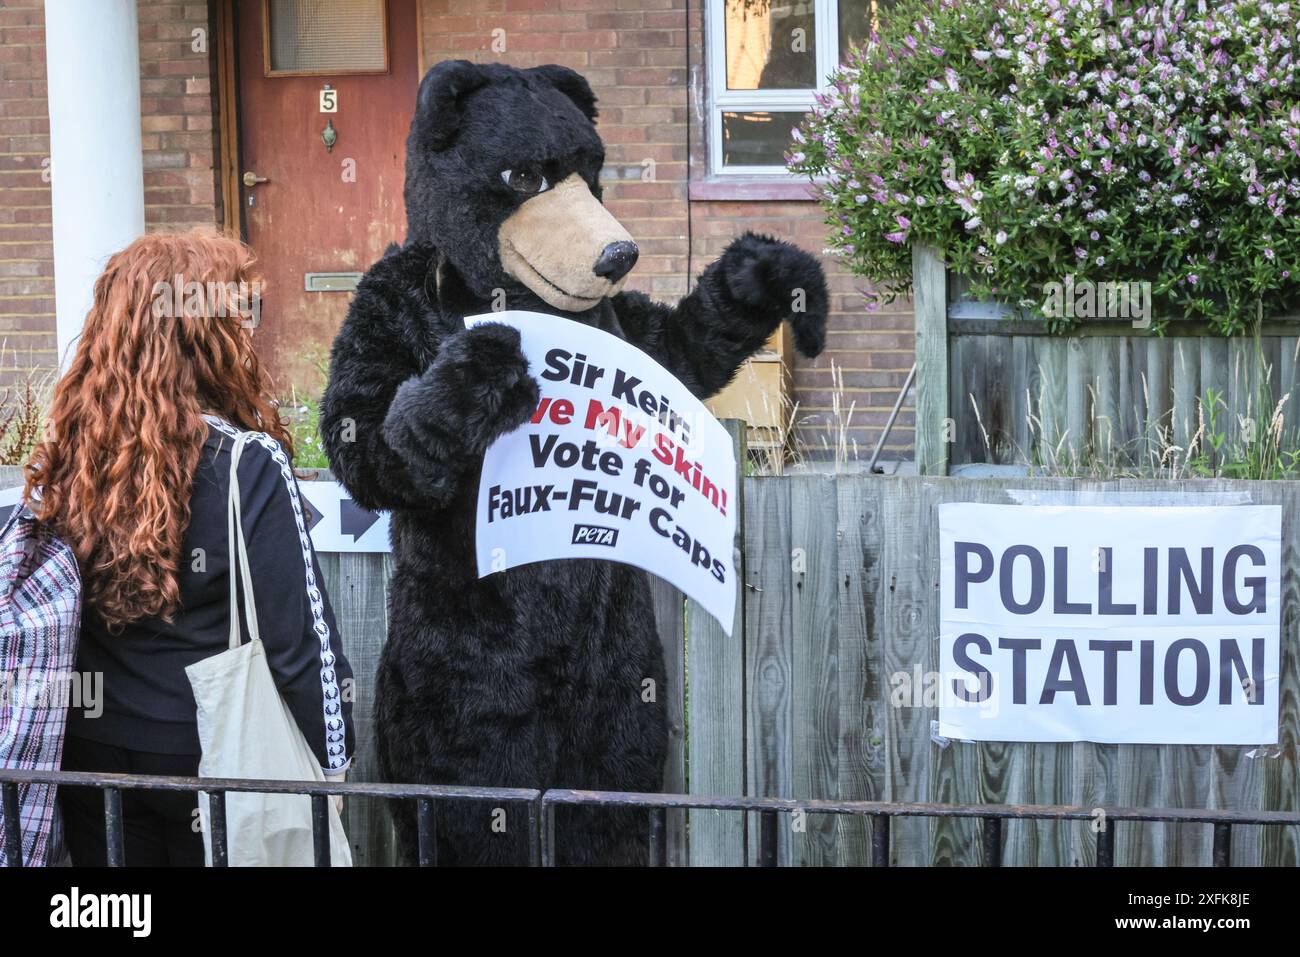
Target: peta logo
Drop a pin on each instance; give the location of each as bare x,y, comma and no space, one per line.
103,910
595,535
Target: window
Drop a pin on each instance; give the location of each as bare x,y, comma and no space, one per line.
305,37
766,61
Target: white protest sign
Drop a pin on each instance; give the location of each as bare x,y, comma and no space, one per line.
619,462
1123,625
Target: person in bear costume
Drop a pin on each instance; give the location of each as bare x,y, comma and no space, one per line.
531,677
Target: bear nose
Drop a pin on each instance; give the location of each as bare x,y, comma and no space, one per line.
616,261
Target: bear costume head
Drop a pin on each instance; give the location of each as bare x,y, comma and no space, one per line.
509,161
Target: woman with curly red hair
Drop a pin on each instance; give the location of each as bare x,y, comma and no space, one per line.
133,475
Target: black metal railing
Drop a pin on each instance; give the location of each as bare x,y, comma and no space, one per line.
541,806
881,814
425,796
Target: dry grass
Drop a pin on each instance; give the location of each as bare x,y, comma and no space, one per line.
1220,443
23,405
799,441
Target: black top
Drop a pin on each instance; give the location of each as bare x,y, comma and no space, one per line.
147,702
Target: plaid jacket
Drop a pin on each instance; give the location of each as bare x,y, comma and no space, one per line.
40,612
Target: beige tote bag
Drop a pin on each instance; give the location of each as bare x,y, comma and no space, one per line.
247,731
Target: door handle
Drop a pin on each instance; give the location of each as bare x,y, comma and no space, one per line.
251,179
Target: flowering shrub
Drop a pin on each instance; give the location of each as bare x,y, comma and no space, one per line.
1107,140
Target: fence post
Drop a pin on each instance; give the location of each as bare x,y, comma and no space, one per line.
548,833
930,304
716,680
992,842
426,830
880,840
217,827
535,832
1106,845
658,837
769,824
13,837
1222,844
115,849
320,828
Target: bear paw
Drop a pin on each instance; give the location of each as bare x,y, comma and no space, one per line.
477,389
777,280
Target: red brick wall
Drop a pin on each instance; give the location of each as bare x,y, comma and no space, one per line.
26,250
850,388
179,158
177,116
867,355
635,55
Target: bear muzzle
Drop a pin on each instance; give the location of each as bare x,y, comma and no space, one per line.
566,247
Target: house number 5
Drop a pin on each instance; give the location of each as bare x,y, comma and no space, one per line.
329,100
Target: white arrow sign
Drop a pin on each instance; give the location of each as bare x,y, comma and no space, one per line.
336,523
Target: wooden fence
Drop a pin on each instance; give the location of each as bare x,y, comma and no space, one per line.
995,388
840,594
840,585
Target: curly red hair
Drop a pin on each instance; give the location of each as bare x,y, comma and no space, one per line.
114,472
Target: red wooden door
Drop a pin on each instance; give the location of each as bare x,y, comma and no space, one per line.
317,216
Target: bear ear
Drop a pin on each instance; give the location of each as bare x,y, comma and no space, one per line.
438,106
572,84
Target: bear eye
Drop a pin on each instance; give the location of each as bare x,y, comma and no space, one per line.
526,181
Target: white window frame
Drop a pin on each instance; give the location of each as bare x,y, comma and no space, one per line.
826,44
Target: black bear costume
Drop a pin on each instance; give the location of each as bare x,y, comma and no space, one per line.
531,677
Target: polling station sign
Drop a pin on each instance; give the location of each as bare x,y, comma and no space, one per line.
619,462
1125,625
